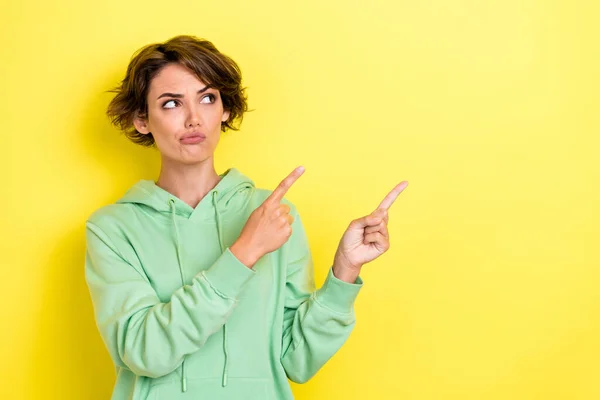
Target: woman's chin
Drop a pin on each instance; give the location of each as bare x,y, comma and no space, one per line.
192,159
187,158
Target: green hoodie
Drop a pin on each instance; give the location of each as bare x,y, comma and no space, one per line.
182,317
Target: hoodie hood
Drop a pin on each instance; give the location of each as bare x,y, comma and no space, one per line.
148,195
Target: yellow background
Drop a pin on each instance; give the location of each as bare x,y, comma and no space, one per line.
488,108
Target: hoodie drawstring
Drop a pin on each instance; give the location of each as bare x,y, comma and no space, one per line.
220,236
180,262
182,275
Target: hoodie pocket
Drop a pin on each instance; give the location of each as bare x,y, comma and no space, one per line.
211,388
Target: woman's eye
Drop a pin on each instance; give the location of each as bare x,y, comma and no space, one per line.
208,99
170,104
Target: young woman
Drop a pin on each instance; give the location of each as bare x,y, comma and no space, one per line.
202,284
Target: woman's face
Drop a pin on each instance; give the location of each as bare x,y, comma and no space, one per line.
184,116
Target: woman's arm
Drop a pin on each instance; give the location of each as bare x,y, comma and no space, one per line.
315,323
143,334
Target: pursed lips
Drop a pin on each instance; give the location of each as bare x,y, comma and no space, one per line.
192,138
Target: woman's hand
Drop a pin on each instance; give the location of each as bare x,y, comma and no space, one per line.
365,239
268,227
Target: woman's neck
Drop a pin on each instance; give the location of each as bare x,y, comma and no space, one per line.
190,183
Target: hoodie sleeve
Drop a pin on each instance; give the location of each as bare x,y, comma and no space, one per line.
143,334
316,323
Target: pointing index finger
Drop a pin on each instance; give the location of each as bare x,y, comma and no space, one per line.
285,185
391,197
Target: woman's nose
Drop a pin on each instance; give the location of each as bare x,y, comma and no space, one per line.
193,118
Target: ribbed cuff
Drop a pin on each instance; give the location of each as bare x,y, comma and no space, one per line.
228,274
337,294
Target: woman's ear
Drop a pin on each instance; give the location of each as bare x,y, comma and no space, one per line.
141,123
225,116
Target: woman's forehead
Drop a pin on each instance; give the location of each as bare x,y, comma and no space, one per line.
176,78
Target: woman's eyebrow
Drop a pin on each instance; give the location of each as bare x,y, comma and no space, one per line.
178,95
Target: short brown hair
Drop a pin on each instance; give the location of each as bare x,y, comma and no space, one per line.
198,55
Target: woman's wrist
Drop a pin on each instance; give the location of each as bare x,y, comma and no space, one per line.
343,269
244,253
345,274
